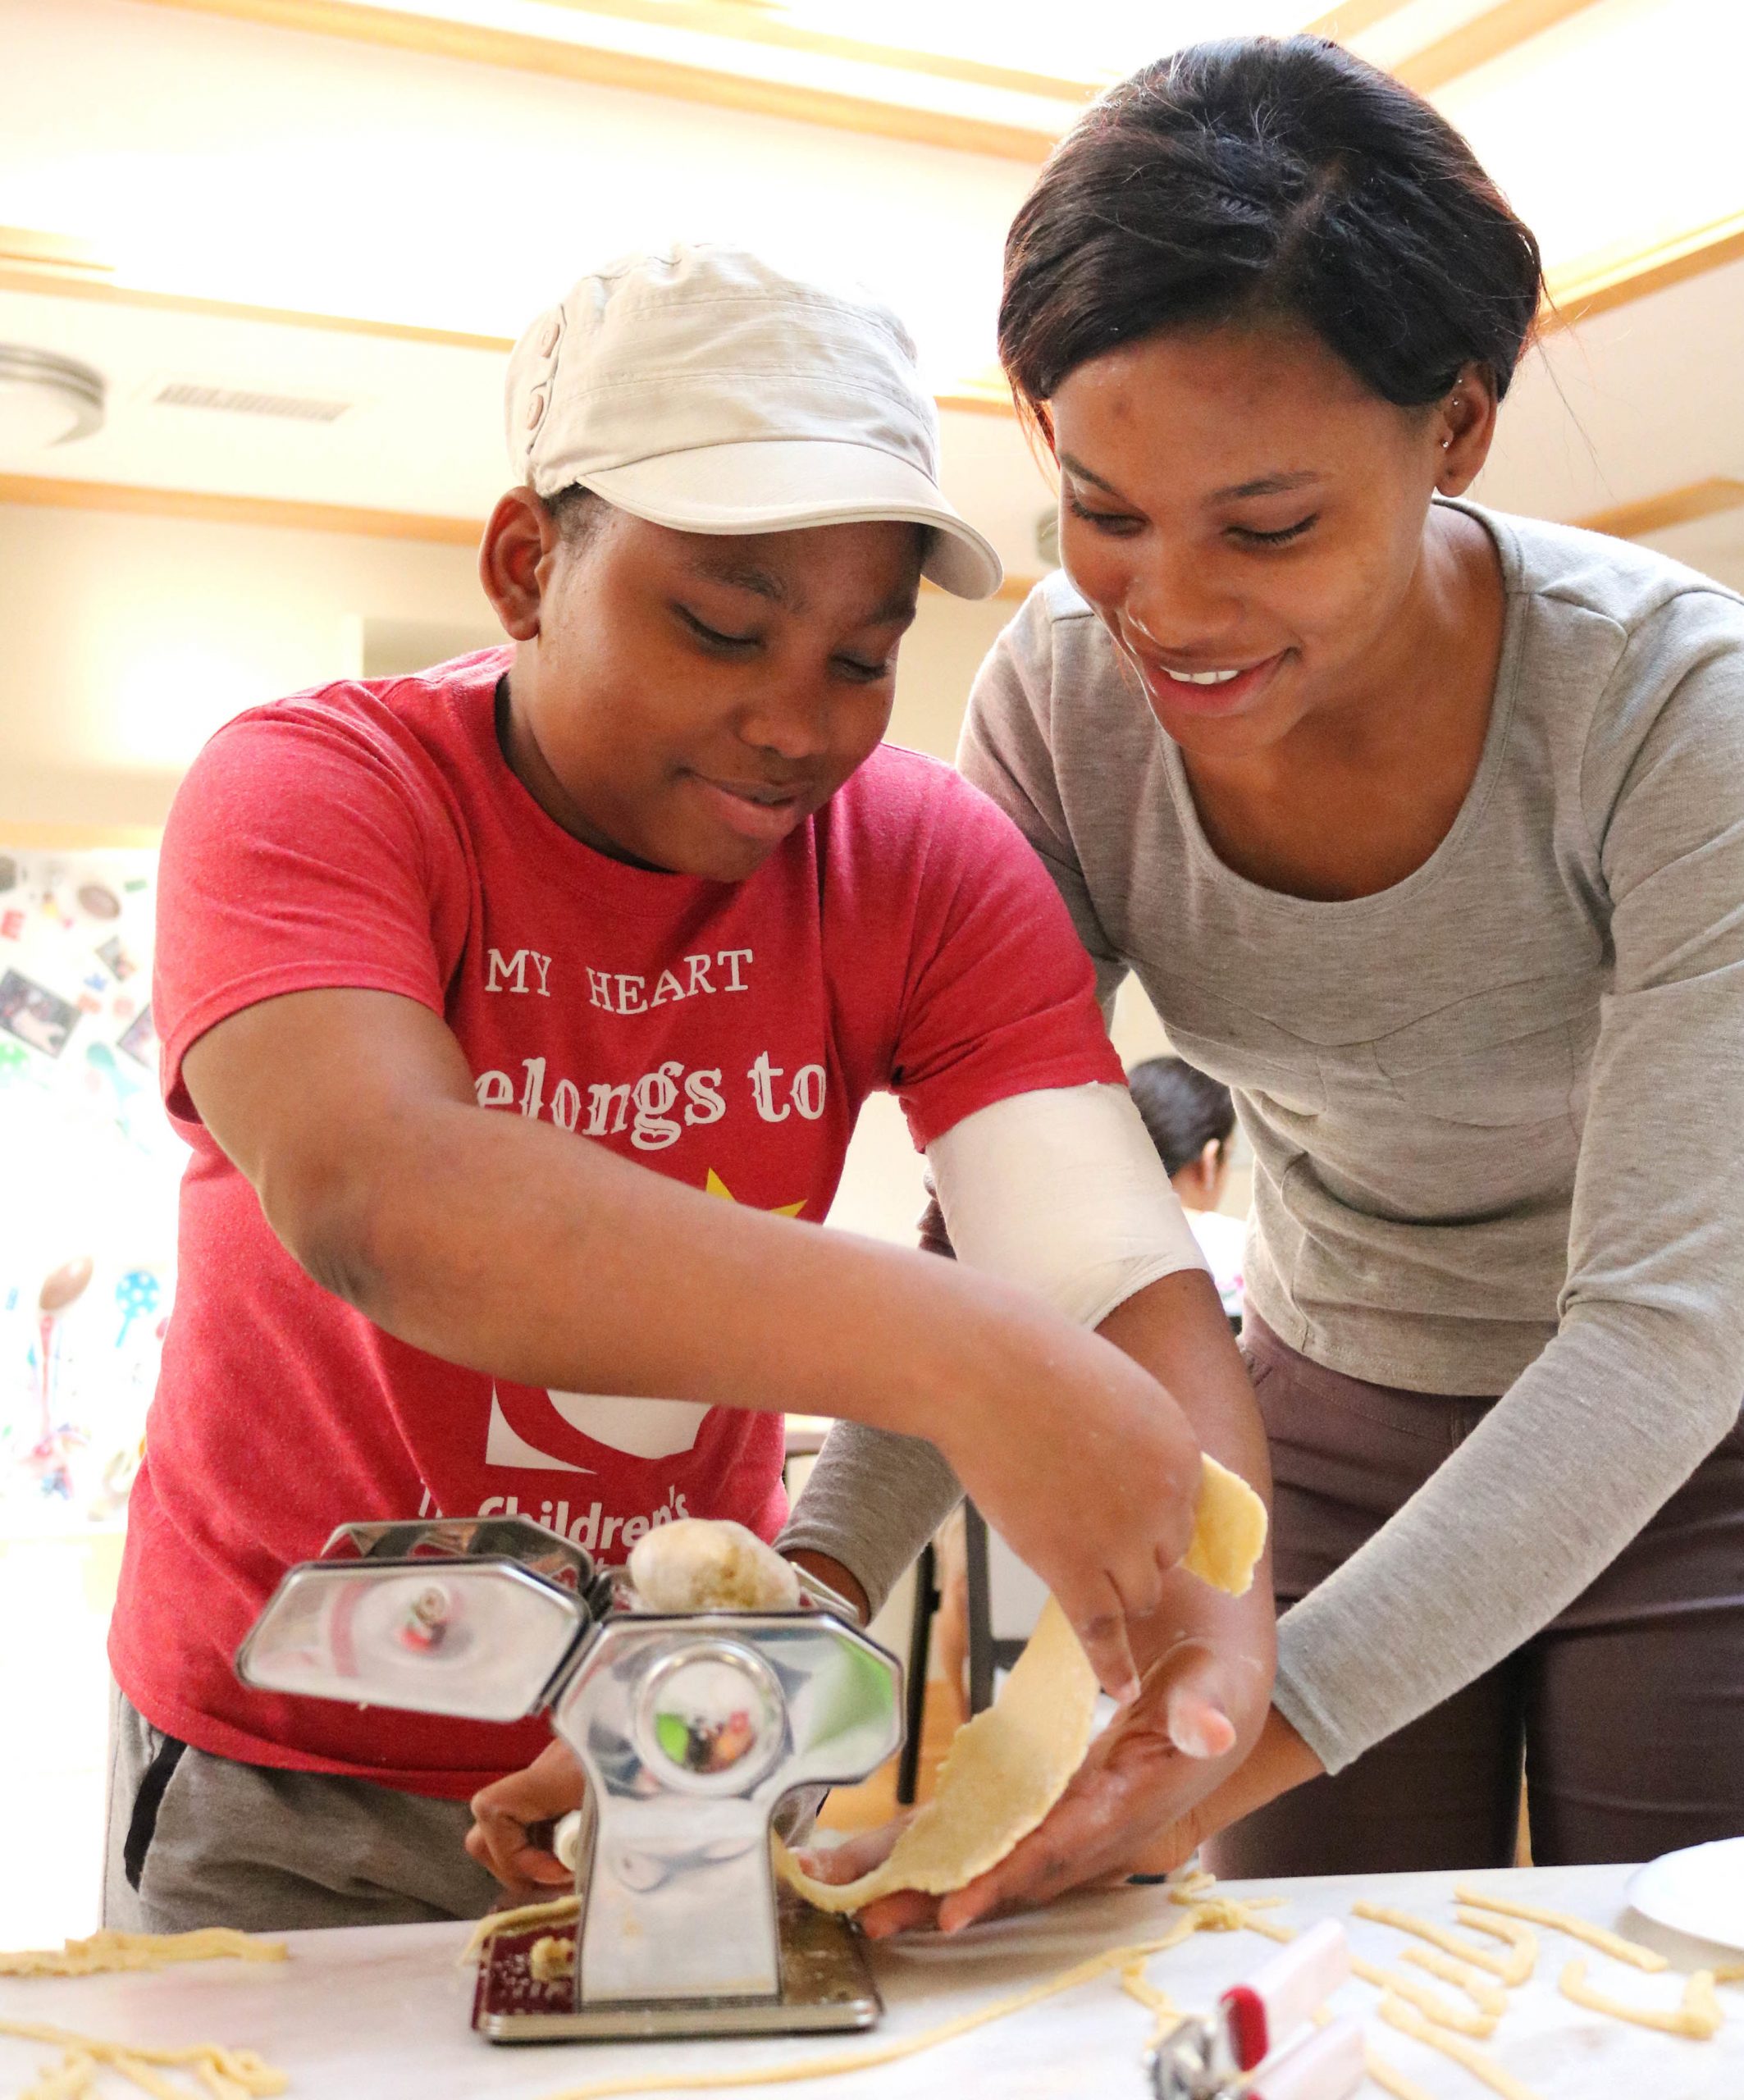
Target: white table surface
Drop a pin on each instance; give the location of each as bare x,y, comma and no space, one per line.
382,2014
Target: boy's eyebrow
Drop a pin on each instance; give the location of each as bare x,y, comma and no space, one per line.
739,573
899,605
1278,484
742,573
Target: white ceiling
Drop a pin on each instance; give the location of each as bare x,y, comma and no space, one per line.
251,164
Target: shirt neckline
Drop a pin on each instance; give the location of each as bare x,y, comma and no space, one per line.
1502,703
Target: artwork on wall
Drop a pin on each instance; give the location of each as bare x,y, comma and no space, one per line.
89,1172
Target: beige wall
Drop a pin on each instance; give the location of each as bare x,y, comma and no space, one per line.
127,641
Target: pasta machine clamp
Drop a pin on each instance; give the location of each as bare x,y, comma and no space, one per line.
1260,2043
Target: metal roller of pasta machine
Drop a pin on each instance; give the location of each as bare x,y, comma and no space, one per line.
691,1730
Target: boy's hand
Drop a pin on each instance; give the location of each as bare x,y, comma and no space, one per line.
1090,1472
512,1820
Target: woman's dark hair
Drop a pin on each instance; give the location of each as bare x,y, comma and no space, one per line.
1269,176
1184,1109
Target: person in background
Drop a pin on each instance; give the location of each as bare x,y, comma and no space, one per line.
518,1013
1191,1118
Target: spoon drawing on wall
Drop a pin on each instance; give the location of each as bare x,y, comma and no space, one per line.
61,1288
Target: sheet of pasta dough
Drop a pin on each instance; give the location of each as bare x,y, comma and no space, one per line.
1005,1770
1228,1531
1009,1765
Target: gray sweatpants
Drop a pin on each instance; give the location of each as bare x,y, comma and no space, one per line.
1628,1709
196,1840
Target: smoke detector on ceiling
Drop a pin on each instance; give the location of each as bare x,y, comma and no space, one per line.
245,401
46,399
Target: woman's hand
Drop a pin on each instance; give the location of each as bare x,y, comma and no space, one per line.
1194,1751
1141,1802
1133,1808
513,1817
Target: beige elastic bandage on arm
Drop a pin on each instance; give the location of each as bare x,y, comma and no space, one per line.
1061,1190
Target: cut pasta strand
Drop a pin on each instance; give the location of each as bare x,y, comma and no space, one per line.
1561,1921
1521,1939
227,2074
1391,2080
1428,2002
1487,1997
1166,2016
1482,2066
1698,2015
556,1912
1220,1914
1118,1958
105,1953
1450,1942
72,2079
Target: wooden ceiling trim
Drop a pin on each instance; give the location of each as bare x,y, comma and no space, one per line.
1492,34
54,281
212,507
1354,17
39,249
739,24
1578,291
474,44
1658,513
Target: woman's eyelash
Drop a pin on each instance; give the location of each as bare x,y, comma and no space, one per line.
1097,516
712,634
1116,520
1278,539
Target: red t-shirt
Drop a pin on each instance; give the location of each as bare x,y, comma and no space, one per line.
372,835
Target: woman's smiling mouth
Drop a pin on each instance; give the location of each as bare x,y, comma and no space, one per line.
1218,690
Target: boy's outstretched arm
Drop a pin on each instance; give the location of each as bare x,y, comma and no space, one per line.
1207,1659
1065,1190
521,1250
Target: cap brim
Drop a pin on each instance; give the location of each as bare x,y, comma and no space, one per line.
783,485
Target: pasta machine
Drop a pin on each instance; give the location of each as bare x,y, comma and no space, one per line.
692,1731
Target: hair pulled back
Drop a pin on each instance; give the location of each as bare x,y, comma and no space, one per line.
1184,1109
1262,176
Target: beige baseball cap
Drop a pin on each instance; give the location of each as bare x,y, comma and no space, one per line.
705,389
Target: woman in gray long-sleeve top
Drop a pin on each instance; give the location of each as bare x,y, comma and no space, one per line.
1424,829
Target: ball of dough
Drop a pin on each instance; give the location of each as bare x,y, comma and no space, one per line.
703,1564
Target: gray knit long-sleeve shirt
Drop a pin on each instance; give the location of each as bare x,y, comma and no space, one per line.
1497,1111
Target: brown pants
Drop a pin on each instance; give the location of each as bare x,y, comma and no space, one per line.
1627,1711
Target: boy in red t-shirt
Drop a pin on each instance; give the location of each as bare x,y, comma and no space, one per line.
648,879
